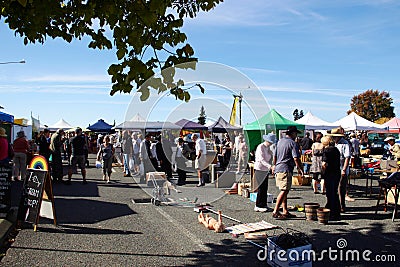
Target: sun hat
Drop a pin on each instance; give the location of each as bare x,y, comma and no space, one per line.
3,132
270,138
336,132
389,138
21,134
292,129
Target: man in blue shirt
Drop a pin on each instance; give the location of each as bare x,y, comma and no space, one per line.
286,157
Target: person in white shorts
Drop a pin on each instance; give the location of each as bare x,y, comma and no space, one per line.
200,161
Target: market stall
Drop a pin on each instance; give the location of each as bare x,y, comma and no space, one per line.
270,122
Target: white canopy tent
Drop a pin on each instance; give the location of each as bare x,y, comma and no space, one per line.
137,117
312,122
354,122
61,124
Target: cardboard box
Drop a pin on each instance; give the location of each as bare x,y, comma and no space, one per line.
159,177
301,180
289,256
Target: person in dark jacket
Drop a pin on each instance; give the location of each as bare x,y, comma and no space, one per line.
164,155
78,145
44,144
56,144
331,174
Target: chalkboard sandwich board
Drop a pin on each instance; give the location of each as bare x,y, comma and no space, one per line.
37,184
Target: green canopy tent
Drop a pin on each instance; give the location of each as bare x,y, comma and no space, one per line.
270,122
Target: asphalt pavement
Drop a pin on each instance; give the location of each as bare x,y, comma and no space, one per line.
115,224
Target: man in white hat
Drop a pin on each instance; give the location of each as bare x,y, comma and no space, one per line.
262,166
394,148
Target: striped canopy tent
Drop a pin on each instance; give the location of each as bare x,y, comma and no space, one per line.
270,122
393,125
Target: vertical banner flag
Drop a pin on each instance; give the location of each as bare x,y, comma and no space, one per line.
35,125
232,119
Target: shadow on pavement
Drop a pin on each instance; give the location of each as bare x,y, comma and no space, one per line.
347,247
70,229
84,211
228,253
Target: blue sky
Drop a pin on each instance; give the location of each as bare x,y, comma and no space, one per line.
310,55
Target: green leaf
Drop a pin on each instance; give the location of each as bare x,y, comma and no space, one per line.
187,96
121,53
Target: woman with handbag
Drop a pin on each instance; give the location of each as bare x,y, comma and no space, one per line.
106,154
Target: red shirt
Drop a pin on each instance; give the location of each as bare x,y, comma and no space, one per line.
21,145
3,148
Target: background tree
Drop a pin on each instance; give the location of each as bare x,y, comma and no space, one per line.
297,115
202,116
372,105
146,35
382,120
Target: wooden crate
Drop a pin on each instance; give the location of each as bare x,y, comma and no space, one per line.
301,180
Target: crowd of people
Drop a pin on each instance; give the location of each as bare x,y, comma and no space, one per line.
330,165
329,159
